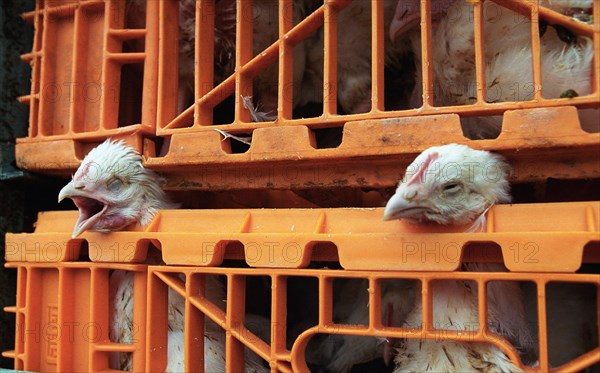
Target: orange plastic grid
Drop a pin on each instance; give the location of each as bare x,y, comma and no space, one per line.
199,116
81,88
531,237
539,144
375,146
62,316
47,314
281,359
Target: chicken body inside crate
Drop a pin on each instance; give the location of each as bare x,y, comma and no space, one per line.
352,82
565,60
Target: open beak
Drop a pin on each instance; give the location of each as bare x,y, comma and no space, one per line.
399,207
90,207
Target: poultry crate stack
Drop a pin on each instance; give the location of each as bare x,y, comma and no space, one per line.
290,102
75,294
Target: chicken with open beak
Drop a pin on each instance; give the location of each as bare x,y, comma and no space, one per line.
112,190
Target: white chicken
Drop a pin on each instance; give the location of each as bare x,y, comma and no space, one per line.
456,185
566,60
113,191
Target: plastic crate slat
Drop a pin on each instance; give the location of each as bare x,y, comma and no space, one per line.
128,34
209,309
125,58
25,99
9,354
173,282
542,331
114,347
497,108
252,341
528,238
28,57
580,363
374,152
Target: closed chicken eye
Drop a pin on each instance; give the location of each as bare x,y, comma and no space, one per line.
115,184
451,187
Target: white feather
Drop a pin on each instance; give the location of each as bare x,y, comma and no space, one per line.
508,61
455,308
122,328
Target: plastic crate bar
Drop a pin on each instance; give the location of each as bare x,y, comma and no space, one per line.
79,83
479,52
286,59
279,277
62,318
377,47
46,293
426,53
374,152
530,238
326,17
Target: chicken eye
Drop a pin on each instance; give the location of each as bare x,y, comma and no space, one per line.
451,188
114,184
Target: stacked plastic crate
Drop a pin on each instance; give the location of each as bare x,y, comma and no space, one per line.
109,69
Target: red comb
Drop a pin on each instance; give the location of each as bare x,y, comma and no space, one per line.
418,177
83,172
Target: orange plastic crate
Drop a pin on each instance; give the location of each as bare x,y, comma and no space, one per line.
91,79
62,315
375,146
531,237
538,243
